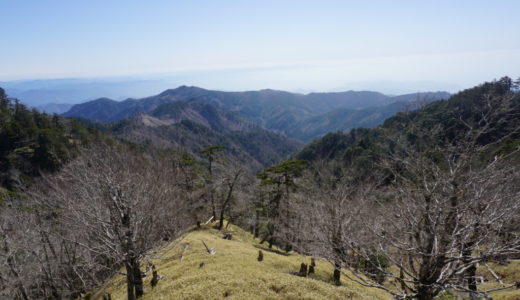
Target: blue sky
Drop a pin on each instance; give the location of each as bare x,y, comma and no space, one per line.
291,45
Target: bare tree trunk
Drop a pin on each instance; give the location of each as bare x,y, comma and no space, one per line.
130,281
425,293
256,230
138,279
221,221
226,202
337,273
472,280
134,279
213,208
472,270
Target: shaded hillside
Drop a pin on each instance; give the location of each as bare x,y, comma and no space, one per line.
440,124
271,109
234,272
192,126
203,113
107,110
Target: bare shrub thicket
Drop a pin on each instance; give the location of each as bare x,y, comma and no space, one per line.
437,211
103,211
333,210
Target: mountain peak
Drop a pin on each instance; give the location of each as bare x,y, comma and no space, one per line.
183,89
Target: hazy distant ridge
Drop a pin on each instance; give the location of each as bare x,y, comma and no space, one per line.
276,110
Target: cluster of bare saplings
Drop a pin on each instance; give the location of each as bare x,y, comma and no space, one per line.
420,225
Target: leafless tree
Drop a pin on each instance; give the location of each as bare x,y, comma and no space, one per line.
330,207
226,191
213,155
103,211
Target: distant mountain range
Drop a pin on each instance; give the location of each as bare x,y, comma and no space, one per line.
40,92
299,116
257,128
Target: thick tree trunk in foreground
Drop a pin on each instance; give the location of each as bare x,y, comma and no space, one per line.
425,293
138,279
130,282
337,274
134,279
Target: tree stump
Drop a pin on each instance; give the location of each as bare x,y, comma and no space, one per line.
107,296
337,275
155,278
228,236
260,255
312,265
303,270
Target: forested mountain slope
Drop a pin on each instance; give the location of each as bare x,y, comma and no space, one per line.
33,142
440,123
193,125
344,119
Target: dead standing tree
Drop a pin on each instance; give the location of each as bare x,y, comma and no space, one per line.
212,154
226,192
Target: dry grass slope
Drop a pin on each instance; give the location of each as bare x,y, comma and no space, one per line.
234,272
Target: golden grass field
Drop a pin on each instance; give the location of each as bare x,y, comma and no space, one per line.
234,273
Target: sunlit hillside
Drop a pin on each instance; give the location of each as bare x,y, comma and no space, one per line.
235,273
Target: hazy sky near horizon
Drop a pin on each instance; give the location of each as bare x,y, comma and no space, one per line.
291,45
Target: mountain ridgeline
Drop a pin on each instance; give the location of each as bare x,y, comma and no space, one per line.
299,116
